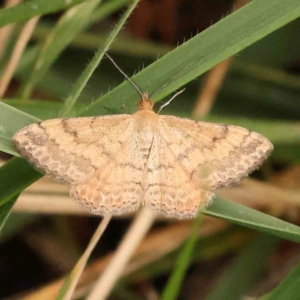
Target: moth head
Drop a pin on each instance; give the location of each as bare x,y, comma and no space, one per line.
145,102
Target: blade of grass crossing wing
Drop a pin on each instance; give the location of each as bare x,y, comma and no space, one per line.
87,73
75,20
173,286
239,277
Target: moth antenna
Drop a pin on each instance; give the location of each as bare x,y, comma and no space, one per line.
169,101
126,76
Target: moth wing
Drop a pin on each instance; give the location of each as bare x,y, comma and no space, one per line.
70,150
170,189
116,188
220,154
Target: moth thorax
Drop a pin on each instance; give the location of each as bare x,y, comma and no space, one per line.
146,134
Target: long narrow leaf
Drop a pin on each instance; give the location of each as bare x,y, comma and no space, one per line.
222,40
12,182
11,120
5,211
32,8
173,286
242,215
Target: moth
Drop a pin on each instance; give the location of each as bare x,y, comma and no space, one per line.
114,164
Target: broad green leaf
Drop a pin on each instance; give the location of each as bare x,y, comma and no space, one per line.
75,20
239,277
288,289
32,8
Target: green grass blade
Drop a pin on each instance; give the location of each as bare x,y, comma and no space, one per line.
288,289
32,8
240,276
250,218
17,221
5,211
11,120
87,73
107,9
267,74
75,20
182,263
11,182
222,40
39,109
